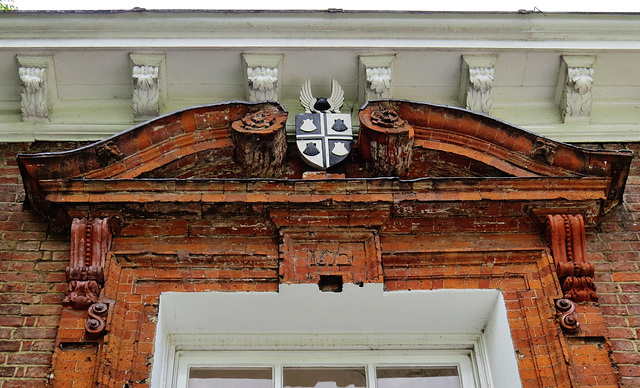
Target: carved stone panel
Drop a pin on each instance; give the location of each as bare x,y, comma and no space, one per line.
308,256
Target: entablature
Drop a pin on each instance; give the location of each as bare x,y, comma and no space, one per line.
236,153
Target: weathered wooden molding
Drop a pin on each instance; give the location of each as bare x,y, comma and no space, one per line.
376,77
262,74
90,242
147,85
566,238
574,87
35,73
476,82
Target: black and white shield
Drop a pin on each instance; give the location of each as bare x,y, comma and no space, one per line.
323,139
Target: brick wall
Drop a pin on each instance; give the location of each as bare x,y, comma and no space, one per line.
32,279
614,248
32,284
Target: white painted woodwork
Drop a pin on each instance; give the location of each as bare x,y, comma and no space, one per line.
148,81
91,96
376,77
575,85
301,317
262,76
476,81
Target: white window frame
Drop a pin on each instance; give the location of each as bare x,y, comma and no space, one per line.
369,359
194,327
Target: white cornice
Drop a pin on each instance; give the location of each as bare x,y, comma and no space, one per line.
319,29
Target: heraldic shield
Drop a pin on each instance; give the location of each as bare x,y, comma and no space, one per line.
323,139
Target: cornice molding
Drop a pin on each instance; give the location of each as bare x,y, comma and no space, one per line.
308,28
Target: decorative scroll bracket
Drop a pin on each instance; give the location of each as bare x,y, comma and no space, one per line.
567,316
90,242
147,85
35,73
574,87
477,81
376,77
262,73
566,237
96,324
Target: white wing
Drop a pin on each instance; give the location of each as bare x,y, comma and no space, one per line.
337,97
306,98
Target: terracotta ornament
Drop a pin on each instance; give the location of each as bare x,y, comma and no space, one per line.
566,237
260,142
90,241
385,141
567,316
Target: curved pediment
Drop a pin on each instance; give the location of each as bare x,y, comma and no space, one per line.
437,148
458,142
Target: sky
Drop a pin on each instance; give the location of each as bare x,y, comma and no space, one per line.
417,5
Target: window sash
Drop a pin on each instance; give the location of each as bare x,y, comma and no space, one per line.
370,359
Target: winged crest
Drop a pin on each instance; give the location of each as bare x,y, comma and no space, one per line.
322,104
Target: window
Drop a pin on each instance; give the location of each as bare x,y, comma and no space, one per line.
360,337
325,369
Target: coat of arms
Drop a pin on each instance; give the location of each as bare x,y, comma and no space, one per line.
323,134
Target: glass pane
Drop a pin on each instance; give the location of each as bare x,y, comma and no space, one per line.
324,377
230,378
434,377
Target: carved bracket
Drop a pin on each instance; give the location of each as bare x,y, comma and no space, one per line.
145,91
574,87
477,81
567,316
96,324
34,72
90,241
376,77
566,237
147,85
262,75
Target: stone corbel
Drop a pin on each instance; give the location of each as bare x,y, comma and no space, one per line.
90,242
148,83
35,73
476,82
566,237
262,74
376,77
574,87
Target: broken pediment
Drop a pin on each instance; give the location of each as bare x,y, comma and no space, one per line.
220,153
